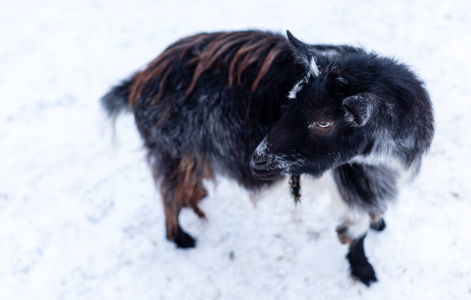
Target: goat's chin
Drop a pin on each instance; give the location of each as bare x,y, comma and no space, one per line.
316,173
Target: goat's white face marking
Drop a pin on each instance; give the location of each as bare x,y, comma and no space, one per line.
312,72
298,86
314,69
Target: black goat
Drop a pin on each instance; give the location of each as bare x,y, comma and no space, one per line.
255,106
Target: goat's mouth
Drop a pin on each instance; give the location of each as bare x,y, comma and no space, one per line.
267,174
265,171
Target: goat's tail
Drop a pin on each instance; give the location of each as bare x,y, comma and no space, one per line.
117,99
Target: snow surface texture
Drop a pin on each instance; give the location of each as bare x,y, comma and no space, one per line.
81,218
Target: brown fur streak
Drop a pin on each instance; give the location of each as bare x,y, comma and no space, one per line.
163,64
266,65
184,188
242,49
209,53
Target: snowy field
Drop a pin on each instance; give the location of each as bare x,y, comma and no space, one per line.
81,218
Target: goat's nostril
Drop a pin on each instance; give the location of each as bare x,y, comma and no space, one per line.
259,161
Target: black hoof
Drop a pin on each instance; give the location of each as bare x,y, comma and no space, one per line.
365,273
184,240
379,225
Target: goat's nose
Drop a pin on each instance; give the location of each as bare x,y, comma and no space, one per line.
259,162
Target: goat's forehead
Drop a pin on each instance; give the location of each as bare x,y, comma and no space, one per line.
320,104
323,113
319,94
319,108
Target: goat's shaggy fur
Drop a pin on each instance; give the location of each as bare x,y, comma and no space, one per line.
255,106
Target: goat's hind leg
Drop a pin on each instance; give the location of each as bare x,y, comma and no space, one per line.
181,186
174,231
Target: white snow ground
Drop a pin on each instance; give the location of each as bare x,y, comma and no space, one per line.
79,213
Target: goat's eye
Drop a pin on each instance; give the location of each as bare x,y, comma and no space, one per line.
322,127
323,124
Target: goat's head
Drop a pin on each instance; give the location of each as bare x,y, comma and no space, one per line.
328,120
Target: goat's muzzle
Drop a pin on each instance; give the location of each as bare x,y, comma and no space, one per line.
264,167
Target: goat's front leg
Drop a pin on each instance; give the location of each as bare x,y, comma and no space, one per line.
353,231
360,267
365,190
377,221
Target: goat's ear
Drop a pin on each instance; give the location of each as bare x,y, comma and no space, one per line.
306,54
360,108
